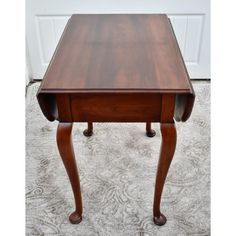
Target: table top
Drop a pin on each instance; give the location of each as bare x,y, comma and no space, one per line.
121,52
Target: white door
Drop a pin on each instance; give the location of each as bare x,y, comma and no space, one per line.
46,19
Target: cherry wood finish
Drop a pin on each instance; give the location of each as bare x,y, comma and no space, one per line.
117,68
149,131
122,56
65,147
114,107
133,51
169,136
89,131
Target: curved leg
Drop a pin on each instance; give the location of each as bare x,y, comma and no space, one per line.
169,136
89,131
149,131
65,146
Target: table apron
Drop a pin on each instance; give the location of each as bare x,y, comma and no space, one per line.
109,107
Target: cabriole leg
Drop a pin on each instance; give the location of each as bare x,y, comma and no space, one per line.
169,137
65,146
89,131
149,131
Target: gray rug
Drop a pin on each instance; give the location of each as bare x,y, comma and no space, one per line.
117,169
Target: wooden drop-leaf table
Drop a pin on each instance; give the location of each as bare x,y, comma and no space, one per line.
117,68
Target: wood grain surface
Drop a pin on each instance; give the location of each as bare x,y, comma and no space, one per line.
119,58
136,51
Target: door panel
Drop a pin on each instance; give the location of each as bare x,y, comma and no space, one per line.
45,21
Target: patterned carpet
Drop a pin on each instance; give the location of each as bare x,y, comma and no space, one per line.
117,169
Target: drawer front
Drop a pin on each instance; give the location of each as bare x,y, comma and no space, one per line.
115,107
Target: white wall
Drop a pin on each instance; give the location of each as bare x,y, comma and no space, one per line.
46,19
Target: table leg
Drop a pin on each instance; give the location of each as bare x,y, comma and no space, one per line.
89,131
65,146
149,131
169,137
